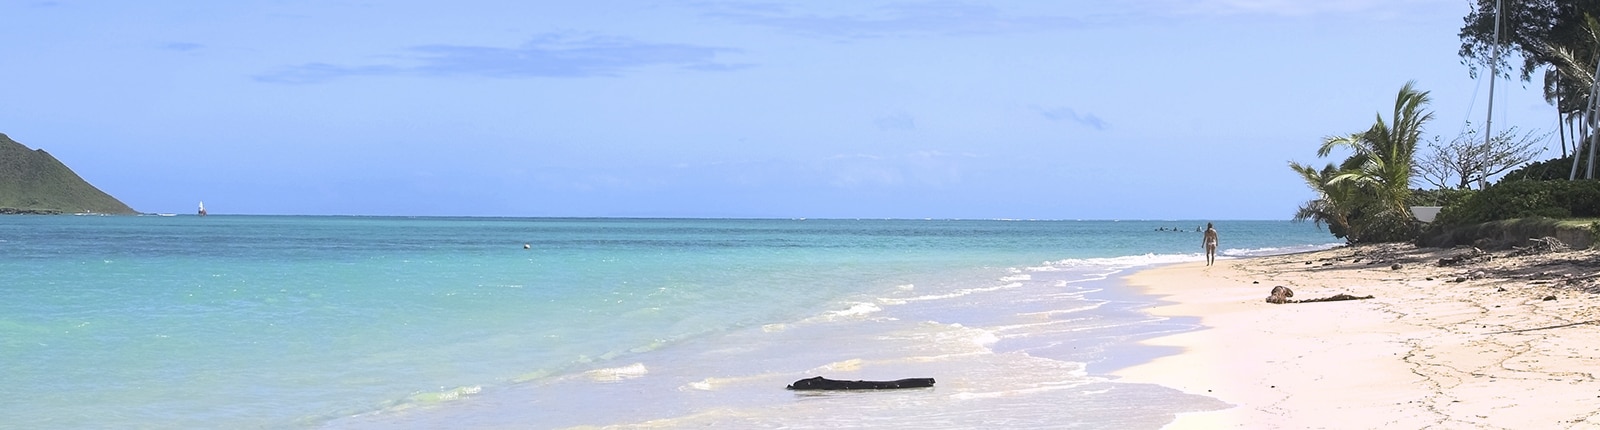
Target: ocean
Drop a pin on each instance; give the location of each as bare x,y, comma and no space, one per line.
309,322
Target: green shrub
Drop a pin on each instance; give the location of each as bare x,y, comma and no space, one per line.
1437,197
1522,199
1547,170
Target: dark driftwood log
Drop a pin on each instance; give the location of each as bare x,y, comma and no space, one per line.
1281,294
821,383
1333,298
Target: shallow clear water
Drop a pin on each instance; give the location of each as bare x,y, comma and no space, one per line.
384,322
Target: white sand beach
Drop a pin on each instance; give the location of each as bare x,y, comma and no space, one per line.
1482,344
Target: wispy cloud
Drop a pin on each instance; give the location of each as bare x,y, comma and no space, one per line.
896,121
1069,114
182,46
1378,8
903,19
550,55
849,171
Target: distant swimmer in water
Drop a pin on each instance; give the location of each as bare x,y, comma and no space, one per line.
1210,243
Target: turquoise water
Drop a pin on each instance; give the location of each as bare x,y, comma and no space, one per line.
386,322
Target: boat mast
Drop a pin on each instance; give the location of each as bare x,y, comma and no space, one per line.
1587,129
1494,71
1594,138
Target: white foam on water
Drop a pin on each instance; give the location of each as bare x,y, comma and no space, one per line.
713,383
1053,312
1116,264
1042,388
846,365
615,374
425,399
853,310
857,309
1016,278
950,295
1257,252
1072,323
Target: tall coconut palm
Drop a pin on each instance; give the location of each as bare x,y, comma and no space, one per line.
1569,84
1572,65
1552,95
1381,164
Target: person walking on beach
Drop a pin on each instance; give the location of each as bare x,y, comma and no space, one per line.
1210,243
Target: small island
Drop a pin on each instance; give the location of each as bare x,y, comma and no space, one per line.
34,182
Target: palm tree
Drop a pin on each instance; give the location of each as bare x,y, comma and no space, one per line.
1381,166
1572,62
1334,203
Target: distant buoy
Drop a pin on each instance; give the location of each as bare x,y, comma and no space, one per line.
525,246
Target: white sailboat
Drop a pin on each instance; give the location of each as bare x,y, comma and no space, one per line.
202,208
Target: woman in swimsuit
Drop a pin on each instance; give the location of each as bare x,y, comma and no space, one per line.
1210,244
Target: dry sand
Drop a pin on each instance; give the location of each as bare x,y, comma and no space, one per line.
1470,345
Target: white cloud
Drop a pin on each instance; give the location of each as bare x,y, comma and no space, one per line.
1068,114
1300,8
548,55
898,19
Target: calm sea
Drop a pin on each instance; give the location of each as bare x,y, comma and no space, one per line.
394,322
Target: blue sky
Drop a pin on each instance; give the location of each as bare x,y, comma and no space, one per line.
1150,109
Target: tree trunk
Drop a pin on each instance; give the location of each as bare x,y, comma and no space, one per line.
1564,121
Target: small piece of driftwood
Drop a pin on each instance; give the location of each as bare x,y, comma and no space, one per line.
821,383
1547,327
1280,295
1333,298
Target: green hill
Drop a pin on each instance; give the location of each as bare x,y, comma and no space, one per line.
32,181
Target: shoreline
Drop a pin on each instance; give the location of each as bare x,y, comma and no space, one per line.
1437,346
1025,348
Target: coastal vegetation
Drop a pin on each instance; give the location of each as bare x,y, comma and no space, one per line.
1366,197
1556,40
1469,159
1521,199
34,182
